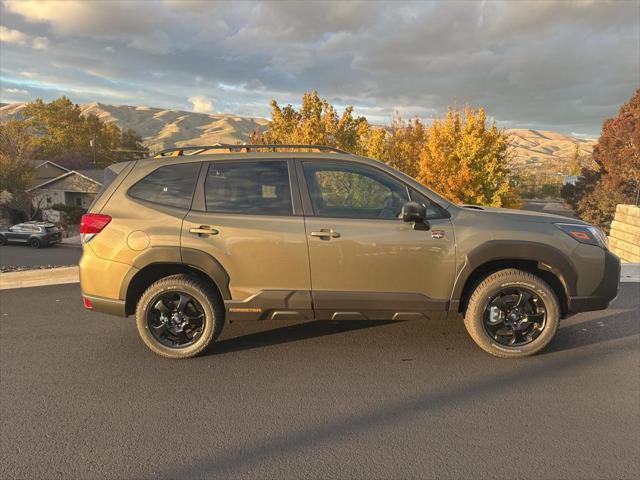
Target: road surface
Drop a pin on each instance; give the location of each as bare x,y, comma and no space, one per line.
24,256
81,397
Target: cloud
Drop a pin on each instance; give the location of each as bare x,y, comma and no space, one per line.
201,104
8,35
12,36
40,43
16,91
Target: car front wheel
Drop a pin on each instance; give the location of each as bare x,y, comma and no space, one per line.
179,316
512,314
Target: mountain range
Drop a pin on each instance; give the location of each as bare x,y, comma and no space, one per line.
533,150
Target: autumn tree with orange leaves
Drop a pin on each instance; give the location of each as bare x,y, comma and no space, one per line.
465,158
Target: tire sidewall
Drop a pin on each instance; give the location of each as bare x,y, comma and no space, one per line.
145,304
477,330
34,243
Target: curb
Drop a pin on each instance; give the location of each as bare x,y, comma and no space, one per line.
630,272
39,277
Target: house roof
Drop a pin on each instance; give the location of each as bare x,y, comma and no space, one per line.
64,175
39,163
96,174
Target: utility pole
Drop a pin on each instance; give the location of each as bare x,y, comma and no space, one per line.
92,144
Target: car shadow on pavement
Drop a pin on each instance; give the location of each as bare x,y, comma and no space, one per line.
614,326
291,333
225,464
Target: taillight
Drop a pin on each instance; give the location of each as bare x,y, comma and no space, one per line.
92,224
87,303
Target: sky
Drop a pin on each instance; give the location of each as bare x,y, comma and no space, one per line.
553,65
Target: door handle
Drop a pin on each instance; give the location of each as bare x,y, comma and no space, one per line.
204,230
325,234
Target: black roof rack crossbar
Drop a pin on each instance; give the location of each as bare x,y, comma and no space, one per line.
197,150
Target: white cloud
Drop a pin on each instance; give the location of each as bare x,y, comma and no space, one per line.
201,104
12,36
16,91
40,43
79,17
8,35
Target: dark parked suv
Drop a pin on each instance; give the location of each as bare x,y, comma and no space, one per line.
34,234
200,236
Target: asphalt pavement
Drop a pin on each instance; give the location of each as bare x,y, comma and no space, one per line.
81,397
25,256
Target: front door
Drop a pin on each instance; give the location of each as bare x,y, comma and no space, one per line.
365,261
244,218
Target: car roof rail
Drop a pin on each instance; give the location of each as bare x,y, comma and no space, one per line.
227,148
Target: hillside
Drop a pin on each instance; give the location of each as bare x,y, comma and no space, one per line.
542,151
163,128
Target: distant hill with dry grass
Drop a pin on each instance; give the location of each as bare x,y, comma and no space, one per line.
533,150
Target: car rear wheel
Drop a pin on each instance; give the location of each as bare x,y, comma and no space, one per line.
35,243
512,314
179,316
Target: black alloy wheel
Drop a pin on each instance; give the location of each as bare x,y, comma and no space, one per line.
176,319
514,316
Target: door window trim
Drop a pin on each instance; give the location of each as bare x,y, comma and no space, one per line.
307,204
199,203
164,205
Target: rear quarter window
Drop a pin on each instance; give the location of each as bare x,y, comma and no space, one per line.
171,185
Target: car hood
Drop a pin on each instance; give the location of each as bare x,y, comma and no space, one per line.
520,215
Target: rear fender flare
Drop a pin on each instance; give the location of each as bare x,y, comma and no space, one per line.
196,259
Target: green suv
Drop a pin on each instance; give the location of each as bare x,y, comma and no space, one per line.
199,236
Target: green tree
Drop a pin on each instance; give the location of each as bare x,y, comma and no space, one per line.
465,158
64,135
16,171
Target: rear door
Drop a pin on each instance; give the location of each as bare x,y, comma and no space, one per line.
365,261
18,233
247,216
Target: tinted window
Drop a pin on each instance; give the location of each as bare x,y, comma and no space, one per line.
353,191
258,188
433,211
171,185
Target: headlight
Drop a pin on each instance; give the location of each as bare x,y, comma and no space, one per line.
584,234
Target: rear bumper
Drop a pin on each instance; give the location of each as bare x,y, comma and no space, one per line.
604,293
100,282
105,305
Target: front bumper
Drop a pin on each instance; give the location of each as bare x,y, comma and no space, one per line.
604,293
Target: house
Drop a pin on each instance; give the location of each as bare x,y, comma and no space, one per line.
69,187
46,170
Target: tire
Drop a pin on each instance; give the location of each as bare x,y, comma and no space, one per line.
204,294
34,243
504,281
3,240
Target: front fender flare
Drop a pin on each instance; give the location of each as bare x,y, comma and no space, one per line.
548,258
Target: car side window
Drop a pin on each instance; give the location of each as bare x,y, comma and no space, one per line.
252,188
353,191
171,185
433,211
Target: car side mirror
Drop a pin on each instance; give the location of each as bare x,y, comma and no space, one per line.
416,213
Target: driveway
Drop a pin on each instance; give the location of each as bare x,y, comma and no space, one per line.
82,398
